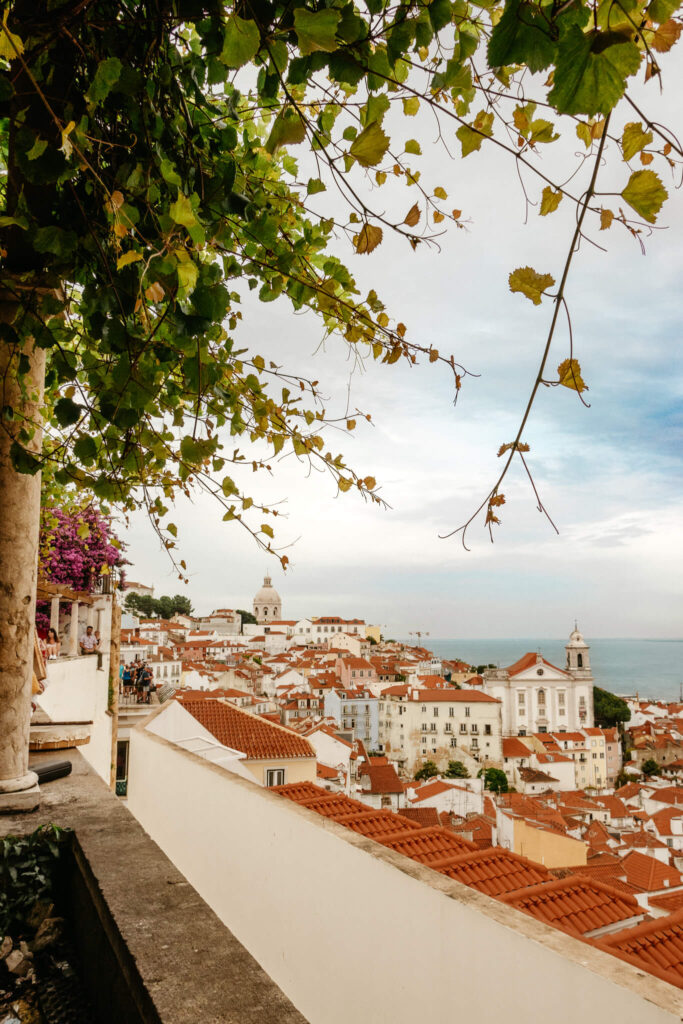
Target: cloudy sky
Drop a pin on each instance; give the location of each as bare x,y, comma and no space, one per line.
610,475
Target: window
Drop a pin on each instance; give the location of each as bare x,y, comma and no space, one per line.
487,730
436,712
475,727
475,743
467,712
541,698
451,712
275,777
453,741
424,707
561,698
521,697
424,727
463,727
447,727
579,660
433,727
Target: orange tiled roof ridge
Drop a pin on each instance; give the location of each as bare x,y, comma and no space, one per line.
575,903
250,734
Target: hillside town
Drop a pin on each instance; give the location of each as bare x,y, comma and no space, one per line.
446,761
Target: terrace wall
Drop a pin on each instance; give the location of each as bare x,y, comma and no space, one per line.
350,930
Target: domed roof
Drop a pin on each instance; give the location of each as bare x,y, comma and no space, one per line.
267,594
576,638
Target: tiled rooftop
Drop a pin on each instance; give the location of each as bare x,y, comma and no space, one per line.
573,902
250,734
576,904
496,871
655,946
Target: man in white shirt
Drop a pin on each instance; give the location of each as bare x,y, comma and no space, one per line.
88,642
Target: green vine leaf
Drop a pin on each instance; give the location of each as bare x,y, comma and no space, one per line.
591,71
316,31
645,194
550,200
634,139
241,41
370,146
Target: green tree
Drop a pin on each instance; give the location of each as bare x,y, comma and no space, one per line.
182,605
608,709
494,779
143,605
147,181
427,771
456,770
650,767
246,617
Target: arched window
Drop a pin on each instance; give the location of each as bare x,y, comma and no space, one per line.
579,660
541,698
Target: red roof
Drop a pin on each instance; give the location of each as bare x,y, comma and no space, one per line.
669,901
649,874
512,747
576,904
655,946
251,734
496,871
422,816
528,660
383,779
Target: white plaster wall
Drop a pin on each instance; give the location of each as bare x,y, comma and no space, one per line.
272,871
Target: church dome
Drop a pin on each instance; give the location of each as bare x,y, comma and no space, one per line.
267,602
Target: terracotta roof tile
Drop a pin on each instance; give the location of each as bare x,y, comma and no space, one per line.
430,846
576,904
649,874
250,734
496,871
423,816
655,946
383,779
669,901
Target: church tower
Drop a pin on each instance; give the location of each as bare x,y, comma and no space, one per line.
267,603
578,657
579,668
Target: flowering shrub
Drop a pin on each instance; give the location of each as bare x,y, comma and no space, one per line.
76,547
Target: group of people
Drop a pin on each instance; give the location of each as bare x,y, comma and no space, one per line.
136,680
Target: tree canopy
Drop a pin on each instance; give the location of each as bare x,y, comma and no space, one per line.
149,180
164,607
608,709
427,770
494,779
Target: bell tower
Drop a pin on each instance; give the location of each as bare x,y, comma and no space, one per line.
578,656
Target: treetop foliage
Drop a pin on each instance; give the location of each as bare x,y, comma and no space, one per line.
163,607
149,180
608,709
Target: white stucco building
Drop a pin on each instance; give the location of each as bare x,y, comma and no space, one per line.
537,696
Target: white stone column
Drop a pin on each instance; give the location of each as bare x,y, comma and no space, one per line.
73,630
54,614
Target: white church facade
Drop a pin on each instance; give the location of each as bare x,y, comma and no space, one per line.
537,696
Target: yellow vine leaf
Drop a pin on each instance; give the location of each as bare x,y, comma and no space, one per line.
413,216
520,446
411,105
155,292
350,424
550,201
530,283
634,139
496,500
645,194
127,259
369,238
440,193
666,35
438,217
370,146
11,45
569,372
433,355
606,218
370,483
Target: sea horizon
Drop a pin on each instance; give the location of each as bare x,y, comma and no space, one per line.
649,666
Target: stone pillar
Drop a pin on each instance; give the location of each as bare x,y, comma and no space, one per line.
19,528
54,614
73,630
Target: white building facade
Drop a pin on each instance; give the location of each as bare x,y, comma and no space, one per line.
537,696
